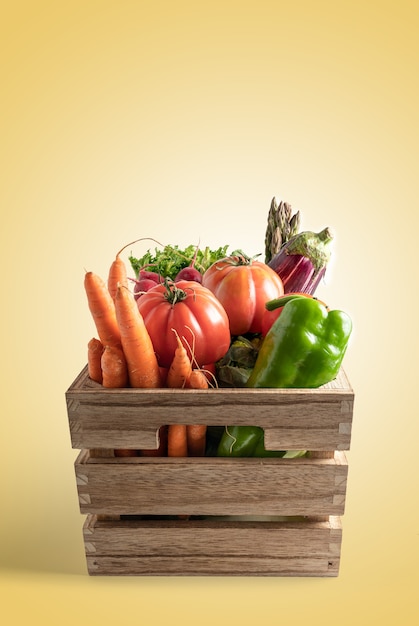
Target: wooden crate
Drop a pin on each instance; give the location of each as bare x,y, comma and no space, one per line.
209,516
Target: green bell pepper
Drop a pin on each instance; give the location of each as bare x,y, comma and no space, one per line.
248,441
245,441
304,347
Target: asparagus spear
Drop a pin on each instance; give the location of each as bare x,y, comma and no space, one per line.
282,225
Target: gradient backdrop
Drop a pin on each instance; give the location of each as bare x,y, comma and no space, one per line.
180,121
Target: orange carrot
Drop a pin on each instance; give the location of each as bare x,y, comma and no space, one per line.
177,377
196,435
118,271
123,452
114,368
197,380
176,440
94,355
117,276
102,309
180,368
143,368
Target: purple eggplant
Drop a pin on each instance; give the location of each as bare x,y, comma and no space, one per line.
302,261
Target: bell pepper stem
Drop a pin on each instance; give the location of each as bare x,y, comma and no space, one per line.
271,305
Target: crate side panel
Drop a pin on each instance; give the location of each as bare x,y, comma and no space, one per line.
292,418
208,548
212,487
208,537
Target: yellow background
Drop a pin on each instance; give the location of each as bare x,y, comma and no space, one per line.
180,121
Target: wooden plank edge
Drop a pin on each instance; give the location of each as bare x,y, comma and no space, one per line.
213,566
83,385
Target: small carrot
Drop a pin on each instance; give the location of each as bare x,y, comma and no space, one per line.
94,355
143,368
114,368
102,309
176,440
180,368
177,377
199,373
196,434
197,380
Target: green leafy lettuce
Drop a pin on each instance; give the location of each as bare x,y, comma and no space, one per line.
171,259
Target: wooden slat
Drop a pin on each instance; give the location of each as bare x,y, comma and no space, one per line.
204,486
208,547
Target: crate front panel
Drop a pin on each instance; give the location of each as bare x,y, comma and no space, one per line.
207,486
211,547
293,419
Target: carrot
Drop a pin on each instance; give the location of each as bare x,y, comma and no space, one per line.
177,377
143,368
176,440
114,368
117,276
196,434
199,373
197,380
123,452
94,355
118,271
102,309
180,368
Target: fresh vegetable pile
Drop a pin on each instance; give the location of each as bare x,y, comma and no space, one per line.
201,319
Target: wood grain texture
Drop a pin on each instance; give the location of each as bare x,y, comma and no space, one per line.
211,486
311,419
213,547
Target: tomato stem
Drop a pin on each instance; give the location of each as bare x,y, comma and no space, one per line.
173,293
238,257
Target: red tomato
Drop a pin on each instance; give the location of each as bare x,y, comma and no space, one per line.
243,286
194,312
